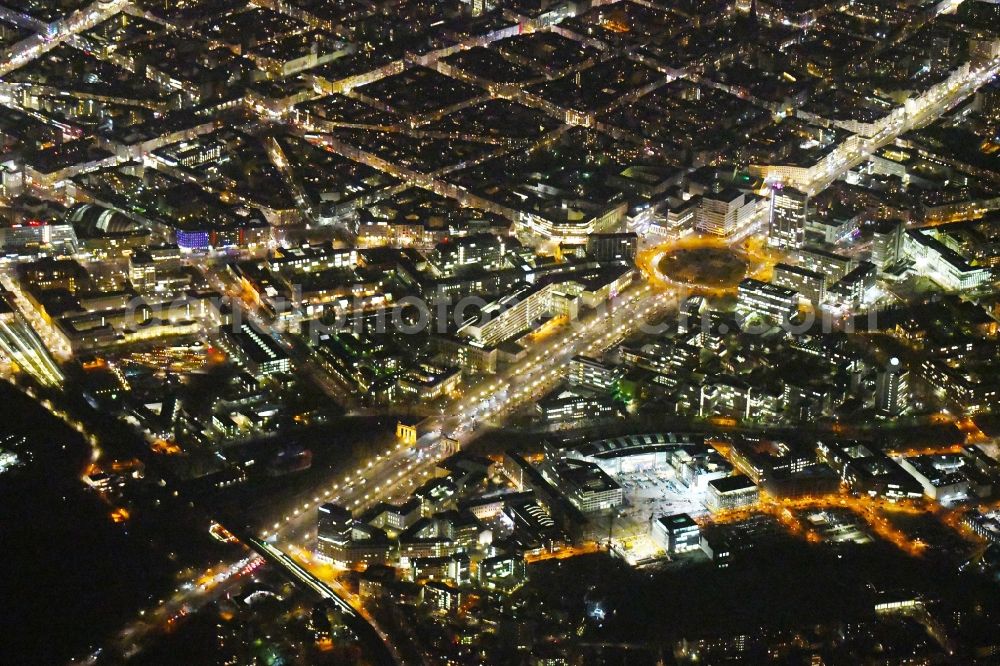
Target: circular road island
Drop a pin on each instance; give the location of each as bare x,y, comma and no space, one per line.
708,265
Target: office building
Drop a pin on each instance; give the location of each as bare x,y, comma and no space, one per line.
334,524
570,220
887,244
442,597
854,289
831,264
830,228
891,386
768,300
809,284
612,247
677,534
731,492
935,260
502,572
942,477
592,373
258,351
342,539
969,392
141,270
726,213
33,237
675,217
429,382
508,316
484,251
788,215
575,405
588,486
453,568
868,470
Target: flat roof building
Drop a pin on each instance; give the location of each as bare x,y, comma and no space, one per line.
761,298
789,212
508,316
678,533
732,492
810,284
590,487
592,373
935,260
259,351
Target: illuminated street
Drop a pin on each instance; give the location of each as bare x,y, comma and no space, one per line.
500,331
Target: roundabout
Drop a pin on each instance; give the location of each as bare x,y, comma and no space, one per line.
703,264
709,267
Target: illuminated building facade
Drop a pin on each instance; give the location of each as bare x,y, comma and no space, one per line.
788,215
